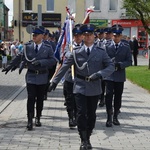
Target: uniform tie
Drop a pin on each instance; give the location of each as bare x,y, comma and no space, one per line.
36,49
116,47
88,51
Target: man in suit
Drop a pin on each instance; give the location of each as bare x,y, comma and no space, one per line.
91,65
120,54
39,58
135,50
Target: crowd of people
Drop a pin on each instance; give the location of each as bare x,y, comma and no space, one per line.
94,72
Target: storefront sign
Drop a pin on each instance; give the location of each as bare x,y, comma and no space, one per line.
48,19
127,22
99,23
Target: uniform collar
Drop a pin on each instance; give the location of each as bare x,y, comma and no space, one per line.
89,47
39,45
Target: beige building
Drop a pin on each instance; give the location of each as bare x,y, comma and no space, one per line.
53,14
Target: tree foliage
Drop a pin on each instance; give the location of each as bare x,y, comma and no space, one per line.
138,9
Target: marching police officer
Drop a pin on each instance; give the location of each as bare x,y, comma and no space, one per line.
52,46
101,43
120,54
91,65
38,57
107,35
68,83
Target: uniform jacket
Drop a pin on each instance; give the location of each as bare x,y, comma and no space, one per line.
122,56
68,75
97,61
46,58
51,43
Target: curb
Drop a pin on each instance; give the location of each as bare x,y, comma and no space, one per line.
11,99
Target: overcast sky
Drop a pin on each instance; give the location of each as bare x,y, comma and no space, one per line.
9,4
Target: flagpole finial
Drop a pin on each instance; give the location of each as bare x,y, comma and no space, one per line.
90,9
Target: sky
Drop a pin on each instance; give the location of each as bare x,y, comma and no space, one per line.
9,4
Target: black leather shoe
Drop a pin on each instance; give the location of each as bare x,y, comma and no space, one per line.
37,122
30,126
108,123
89,146
72,123
101,104
30,122
83,145
116,122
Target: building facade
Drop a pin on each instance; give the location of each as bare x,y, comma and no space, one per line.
4,31
52,12
110,12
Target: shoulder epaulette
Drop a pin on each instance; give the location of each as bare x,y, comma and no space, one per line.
46,44
100,48
29,42
77,47
126,44
107,43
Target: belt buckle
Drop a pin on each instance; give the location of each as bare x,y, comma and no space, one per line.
36,71
87,79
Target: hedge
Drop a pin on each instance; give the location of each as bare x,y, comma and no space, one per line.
8,57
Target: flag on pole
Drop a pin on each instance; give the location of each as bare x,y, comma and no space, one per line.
87,18
59,43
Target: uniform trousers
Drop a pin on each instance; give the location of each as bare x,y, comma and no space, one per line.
86,111
103,89
114,90
35,94
69,96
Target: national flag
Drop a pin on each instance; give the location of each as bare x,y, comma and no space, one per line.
59,43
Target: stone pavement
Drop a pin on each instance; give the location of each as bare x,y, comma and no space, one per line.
132,134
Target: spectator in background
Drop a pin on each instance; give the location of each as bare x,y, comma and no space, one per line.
13,51
4,55
130,43
135,50
20,48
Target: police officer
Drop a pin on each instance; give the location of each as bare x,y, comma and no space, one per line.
68,83
91,65
101,43
100,33
38,57
52,45
107,35
120,54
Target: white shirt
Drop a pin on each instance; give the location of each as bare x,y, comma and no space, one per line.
39,45
13,50
88,47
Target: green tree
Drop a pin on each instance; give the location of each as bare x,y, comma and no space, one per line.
138,9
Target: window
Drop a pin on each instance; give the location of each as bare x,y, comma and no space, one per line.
28,4
113,5
50,5
97,4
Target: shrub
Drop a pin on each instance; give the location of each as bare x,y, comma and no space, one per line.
8,57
